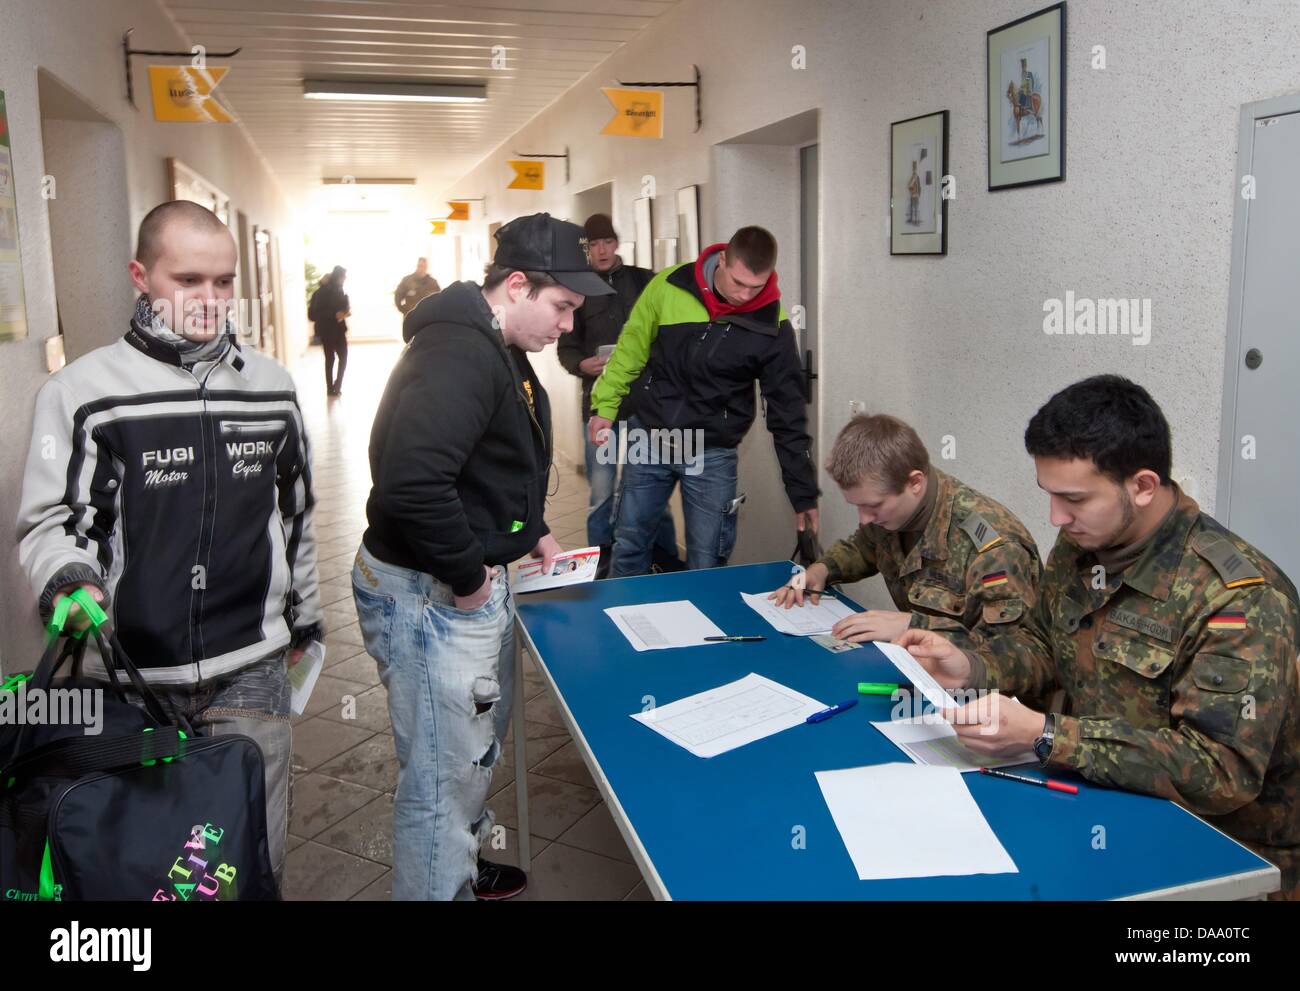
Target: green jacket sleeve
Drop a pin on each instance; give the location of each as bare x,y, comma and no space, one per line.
630,353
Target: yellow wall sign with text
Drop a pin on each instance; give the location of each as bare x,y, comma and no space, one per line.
638,113
459,210
528,175
184,93
438,227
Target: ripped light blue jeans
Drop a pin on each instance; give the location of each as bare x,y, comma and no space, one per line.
450,680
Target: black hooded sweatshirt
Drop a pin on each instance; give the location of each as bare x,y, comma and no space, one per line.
458,460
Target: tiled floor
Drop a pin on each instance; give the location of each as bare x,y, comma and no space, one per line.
345,770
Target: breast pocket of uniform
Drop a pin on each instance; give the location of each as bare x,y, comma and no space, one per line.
1144,658
1129,680
1001,611
926,597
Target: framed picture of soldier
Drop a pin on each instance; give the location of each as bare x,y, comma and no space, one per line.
1026,100
918,207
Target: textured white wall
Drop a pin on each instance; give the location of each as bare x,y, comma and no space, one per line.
955,345
80,43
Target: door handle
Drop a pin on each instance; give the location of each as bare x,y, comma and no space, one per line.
809,376
1254,358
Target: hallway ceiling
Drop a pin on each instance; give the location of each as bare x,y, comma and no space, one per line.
550,45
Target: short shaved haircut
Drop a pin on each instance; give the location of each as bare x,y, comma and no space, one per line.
148,245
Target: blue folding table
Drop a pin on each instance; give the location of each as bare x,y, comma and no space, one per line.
752,823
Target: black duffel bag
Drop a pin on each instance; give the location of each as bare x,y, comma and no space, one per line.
143,810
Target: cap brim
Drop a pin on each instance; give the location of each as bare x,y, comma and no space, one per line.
587,283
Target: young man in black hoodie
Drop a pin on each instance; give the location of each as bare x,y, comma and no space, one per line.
460,453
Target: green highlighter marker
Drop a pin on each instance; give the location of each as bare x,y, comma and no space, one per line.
876,688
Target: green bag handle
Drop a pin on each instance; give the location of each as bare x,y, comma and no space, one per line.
89,606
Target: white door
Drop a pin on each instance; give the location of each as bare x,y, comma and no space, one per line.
1260,455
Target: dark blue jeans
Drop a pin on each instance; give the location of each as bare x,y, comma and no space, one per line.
706,498
602,476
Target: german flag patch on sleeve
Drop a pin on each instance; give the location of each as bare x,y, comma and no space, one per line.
994,579
1227,621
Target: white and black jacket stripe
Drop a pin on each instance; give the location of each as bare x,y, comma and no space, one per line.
186,494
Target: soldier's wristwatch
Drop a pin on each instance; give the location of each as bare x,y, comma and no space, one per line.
1043,745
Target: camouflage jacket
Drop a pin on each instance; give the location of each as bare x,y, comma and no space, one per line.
974,571
1180,677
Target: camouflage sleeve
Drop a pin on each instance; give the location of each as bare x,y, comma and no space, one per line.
1001,589
1226,710
849,560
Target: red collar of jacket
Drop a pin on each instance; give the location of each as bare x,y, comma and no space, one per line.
716,305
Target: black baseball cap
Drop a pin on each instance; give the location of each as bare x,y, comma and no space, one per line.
540,243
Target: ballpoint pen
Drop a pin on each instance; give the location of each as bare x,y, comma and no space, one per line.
834,710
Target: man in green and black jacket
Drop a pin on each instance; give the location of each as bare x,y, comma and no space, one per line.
682,377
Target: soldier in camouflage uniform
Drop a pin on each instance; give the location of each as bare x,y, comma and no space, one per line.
953,559
1171,642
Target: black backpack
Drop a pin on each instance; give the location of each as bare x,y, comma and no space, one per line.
144,810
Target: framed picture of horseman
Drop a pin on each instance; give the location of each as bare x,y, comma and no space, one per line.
1026,100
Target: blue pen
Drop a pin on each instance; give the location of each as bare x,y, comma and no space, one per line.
834,710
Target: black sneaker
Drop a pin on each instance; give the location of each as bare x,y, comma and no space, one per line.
498,881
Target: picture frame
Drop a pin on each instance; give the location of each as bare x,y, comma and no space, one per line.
918,163
1026,99
688,222
643,215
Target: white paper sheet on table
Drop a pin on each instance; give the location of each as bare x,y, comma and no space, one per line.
730,716
658,625
569,568
799,621
909,820
932,740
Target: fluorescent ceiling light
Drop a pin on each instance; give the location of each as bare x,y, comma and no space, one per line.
315,89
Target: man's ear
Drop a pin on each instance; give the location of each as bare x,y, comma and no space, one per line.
1145,484
516,282
139,276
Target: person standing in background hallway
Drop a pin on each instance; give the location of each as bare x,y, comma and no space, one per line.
415,287
329,310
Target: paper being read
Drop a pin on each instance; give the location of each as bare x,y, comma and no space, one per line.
730,715
657,625
917,675
908,820
800,621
